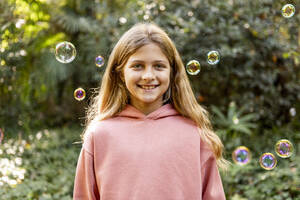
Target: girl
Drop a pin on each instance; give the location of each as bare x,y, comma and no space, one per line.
146,136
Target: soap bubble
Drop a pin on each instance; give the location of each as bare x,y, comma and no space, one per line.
99,61
213,57
241,155
284,148
193,67
288,10
79,94
1,135
268,161
65,52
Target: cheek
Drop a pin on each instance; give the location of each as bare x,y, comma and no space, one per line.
166,78
131,80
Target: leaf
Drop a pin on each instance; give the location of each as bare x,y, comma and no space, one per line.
231,111
247,117
218,113
242,129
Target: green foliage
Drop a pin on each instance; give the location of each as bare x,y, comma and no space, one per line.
233,126
234,121
50,161
259,71
253,182
259,52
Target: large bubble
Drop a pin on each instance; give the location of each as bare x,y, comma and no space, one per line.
79,94
65,52
213,57
193,67
284,148
99,61
241,155
267,161
288,10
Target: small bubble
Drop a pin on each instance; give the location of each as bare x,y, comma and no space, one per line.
213,57
79,94
193,67
99,61
241,155
288,10
1,135
284,148
268,161
293,112
65,52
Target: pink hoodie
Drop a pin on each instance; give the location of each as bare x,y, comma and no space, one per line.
158,156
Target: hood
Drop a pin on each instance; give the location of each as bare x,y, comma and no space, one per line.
162,112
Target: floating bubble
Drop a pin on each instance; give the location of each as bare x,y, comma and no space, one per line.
213,57
293,112
241,155
288,10
1,135
79,94
65,52
193,67
268,161
99,61
284,148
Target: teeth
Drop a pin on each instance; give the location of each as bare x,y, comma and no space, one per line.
148,87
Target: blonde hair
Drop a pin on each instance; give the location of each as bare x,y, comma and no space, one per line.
113,95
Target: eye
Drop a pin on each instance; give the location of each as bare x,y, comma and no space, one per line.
137,66
159,66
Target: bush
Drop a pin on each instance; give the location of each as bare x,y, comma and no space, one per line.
49,159
259,53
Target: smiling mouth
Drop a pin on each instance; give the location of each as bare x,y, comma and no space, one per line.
148,87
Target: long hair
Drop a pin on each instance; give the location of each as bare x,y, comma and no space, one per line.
113,94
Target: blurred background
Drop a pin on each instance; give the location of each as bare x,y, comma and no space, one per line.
252,93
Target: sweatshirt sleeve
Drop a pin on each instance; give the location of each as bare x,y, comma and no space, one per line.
212,188
85,185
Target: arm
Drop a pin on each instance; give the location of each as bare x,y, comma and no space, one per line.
85,184
212,188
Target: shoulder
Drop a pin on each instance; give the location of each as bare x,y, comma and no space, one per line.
181,120
95,132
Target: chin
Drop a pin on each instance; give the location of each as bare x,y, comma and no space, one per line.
148,101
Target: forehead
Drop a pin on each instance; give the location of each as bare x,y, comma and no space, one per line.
149,53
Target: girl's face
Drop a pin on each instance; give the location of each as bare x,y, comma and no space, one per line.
147,76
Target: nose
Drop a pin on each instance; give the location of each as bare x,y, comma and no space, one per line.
148,74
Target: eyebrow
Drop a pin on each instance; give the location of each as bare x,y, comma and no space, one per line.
155,61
